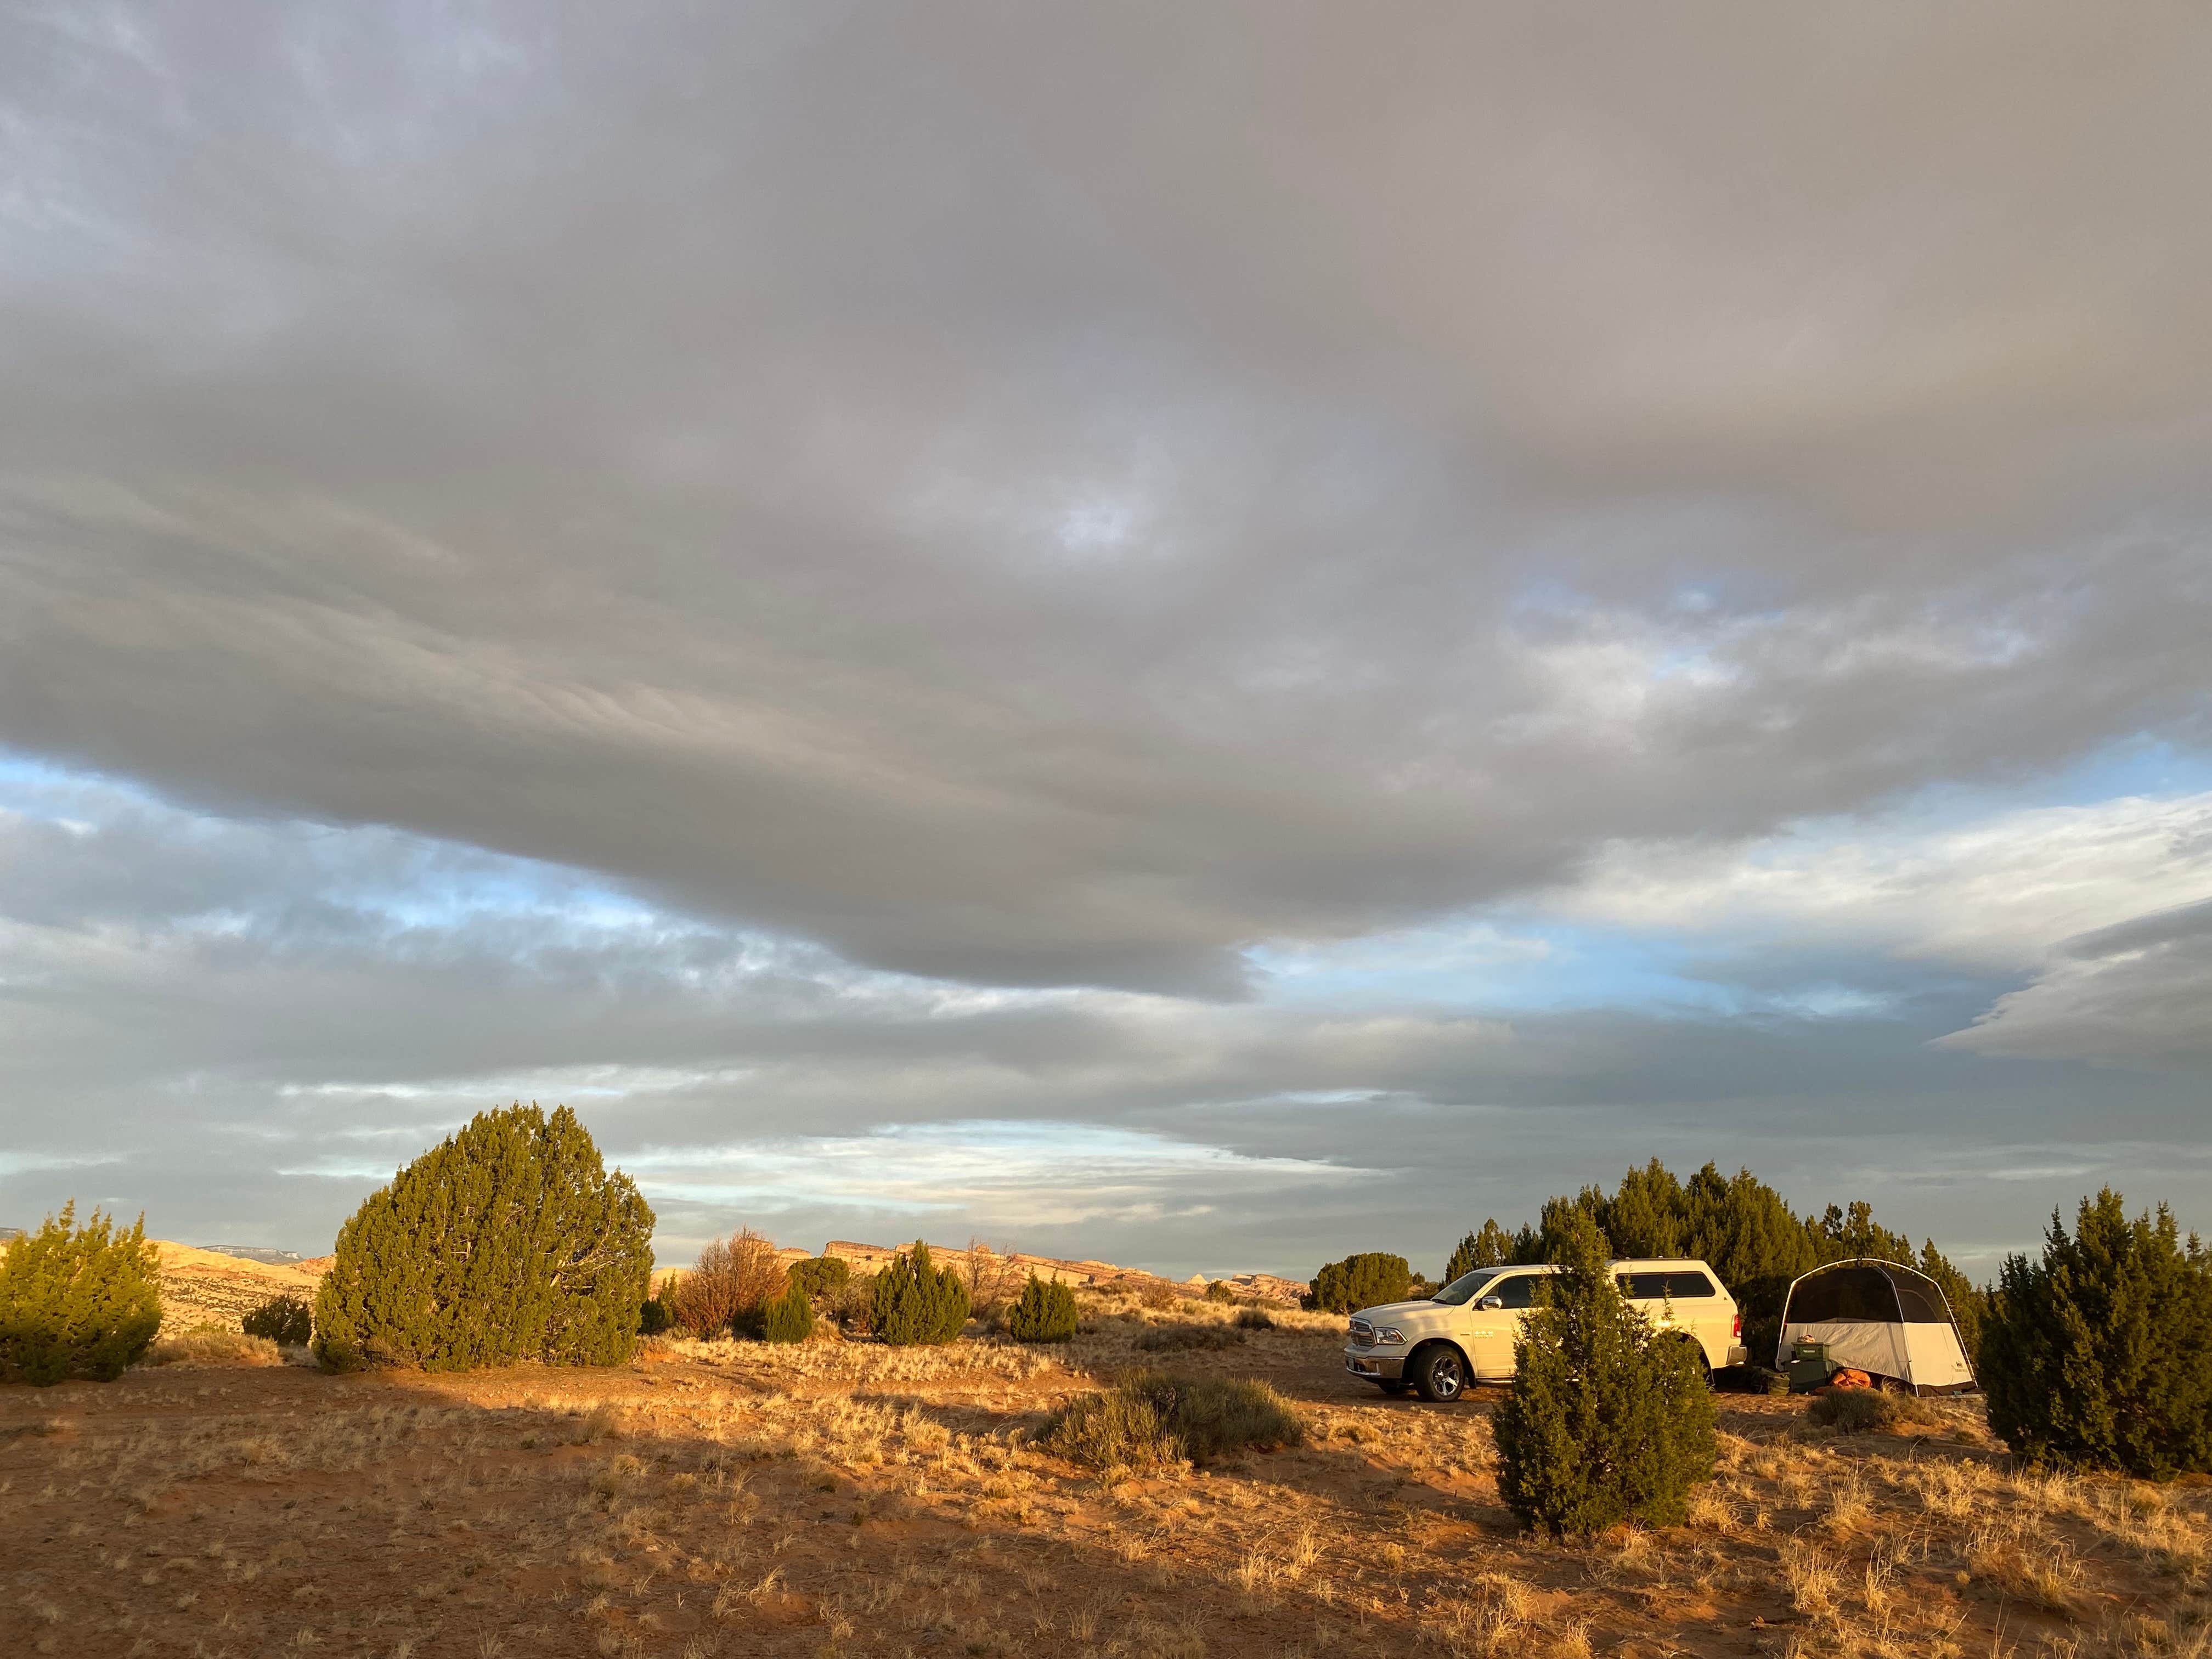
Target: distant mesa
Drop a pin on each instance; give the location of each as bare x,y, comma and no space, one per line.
255,1252
7,1233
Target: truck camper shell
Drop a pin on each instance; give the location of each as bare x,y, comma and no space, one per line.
1881,1317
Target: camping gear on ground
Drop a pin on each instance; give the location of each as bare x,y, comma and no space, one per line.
1883,1318
1849,1378
1810,1367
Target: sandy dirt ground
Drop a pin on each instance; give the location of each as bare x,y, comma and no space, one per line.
850,1498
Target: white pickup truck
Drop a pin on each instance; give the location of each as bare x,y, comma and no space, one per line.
1464,1333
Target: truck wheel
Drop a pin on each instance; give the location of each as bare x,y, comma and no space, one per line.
1439,1373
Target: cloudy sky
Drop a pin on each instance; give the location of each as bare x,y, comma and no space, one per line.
1199,635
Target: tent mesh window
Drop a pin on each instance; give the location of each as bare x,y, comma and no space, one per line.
1864,1291
1844,1293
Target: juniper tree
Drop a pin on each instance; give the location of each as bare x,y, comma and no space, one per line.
508,1241
77,1301
1608,1420
824,1276
1046,1313
2099,1356
918,1301
790,1317
1365,1280
1490,1248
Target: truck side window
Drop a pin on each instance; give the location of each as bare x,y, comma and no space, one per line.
1644,1287
1685,1286
1518,1290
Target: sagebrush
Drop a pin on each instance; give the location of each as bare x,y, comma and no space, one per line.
1150,1418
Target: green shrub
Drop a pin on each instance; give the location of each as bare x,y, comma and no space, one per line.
824,1276
1150,1418
1046,1313
77,1301
1220,1291
2100,1355
916,1302
287,1320
1254,1319
790,1317
1608,1421
1361,1281
657,1314
509,1240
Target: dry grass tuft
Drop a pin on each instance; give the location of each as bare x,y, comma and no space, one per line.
213,1344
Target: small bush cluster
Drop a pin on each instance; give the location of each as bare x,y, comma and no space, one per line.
1046,1313
1366,1281
1254,1319
918,1301
510,1241
2099,1356
1219,1290
77,1301
1153,1418
1608,1421
287,1320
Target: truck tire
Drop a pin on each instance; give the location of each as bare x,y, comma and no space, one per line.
1439,1372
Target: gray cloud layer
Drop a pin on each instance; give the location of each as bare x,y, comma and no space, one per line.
896,504
1050,500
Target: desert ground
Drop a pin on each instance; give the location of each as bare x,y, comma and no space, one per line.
844,1498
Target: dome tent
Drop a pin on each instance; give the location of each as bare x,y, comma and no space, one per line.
1881,1317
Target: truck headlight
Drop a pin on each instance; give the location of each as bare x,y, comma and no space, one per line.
1388,1334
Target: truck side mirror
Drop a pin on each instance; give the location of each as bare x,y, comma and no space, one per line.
1489,1302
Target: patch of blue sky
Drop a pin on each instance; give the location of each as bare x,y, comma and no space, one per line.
1479,966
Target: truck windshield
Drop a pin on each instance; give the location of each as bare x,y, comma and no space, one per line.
1464,1289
